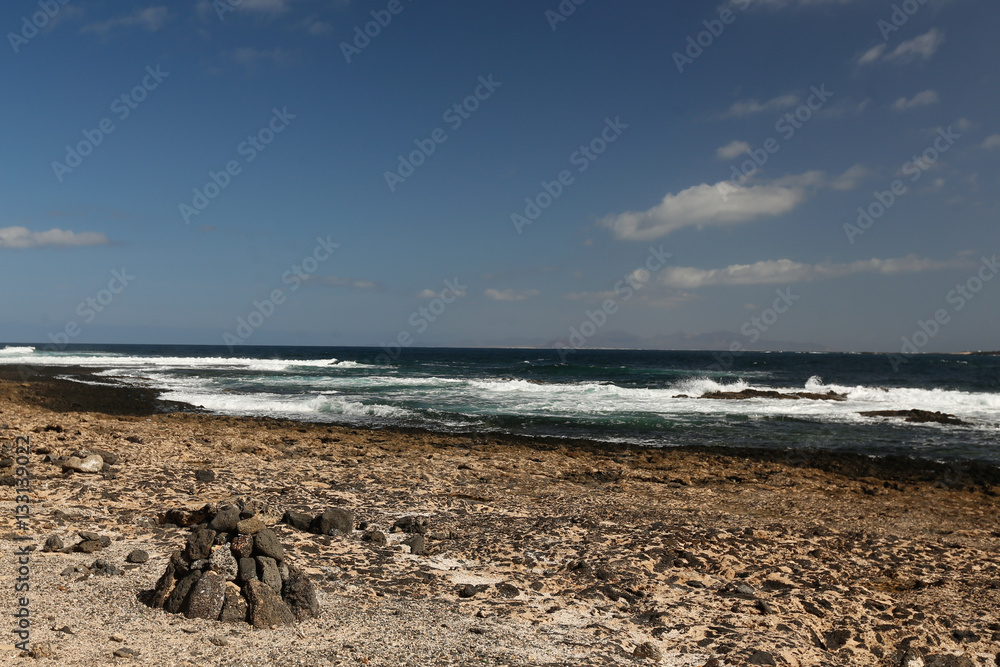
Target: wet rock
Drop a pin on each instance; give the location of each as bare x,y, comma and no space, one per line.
199,544
265,543
300,595
266,609
918,416
207,597
333,519
137,556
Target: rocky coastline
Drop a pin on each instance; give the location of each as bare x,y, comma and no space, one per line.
457,549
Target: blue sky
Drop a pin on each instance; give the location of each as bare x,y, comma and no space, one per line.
690,165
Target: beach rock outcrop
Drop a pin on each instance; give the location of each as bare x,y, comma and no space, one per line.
918,416
770,393
236,573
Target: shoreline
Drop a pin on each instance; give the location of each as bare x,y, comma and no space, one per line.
600,549
115,398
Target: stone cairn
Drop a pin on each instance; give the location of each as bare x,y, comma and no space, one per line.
233,569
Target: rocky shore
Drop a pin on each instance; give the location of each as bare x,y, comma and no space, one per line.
445,549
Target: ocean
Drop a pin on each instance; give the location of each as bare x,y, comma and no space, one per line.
650,398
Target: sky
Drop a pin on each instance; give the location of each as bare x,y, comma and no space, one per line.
785,174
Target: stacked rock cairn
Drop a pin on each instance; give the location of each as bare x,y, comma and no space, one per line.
233,569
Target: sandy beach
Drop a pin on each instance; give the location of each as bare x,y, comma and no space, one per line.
536,551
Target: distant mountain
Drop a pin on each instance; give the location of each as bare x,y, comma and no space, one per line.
718,340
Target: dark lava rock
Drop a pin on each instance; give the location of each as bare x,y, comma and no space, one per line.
297,520
918,416
267,569
164,585
762,658
225,520
242,546
834,639
207,597
948,661
178,598
110,458
234,608
332,519
54,543
247,570
506,590
375,537
411,524
265,607
647,650
265,543
137,556
88,546
204,475
416,544
467,591
106,568
770,393
199,544
250,525
300,595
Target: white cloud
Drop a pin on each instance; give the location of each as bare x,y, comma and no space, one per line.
510,295
725,204
850,178
921,99
22,237
992,141
923,46
786,271
431,294
150,19
343,281
732,149
705,205
746,107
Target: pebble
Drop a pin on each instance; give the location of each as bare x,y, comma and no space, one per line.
137,556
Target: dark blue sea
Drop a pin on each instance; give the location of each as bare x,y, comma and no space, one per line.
620,396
